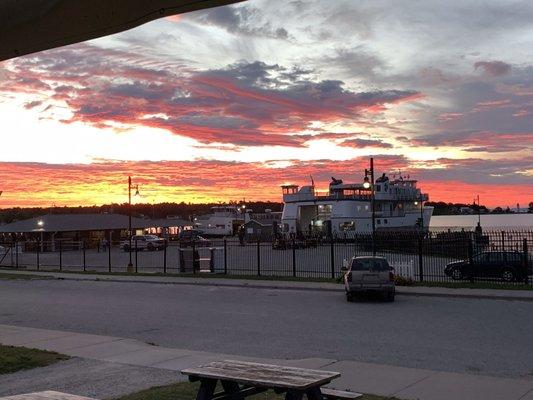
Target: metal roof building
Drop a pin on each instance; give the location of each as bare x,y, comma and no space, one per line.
87,222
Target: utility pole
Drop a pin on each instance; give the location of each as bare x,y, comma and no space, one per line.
370,185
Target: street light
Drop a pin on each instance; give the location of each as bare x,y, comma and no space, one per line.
136,187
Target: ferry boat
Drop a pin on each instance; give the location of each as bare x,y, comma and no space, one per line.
347,207
223,221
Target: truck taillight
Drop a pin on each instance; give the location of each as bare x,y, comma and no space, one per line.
349,276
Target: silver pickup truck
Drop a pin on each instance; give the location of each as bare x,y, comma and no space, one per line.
369,274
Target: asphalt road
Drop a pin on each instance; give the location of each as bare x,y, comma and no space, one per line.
477,336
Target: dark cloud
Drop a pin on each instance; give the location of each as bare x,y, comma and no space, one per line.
250,104
362,143
493,68
240,19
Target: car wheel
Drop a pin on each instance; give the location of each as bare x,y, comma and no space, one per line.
150,247
390,297
349,297
457,274
508,275
126,248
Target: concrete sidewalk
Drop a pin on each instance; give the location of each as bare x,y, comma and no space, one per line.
386,380
519,295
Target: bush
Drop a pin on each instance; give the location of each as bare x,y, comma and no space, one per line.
401,281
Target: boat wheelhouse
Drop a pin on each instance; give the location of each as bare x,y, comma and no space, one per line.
223,221
347,207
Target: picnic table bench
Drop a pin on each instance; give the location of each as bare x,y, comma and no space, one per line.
240,379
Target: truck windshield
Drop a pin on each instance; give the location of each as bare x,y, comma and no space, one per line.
370,264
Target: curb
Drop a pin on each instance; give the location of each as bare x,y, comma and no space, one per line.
273,286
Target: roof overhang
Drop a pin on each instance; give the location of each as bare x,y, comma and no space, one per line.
29,26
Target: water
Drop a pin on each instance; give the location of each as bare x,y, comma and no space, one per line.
516,221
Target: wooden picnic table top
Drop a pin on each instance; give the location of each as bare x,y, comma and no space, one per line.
46,395
262,375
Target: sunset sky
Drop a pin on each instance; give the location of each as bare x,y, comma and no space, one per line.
231,102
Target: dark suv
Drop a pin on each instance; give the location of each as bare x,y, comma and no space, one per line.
506,265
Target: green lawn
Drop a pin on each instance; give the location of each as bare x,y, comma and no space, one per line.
187,391
13,359
477,285
7,276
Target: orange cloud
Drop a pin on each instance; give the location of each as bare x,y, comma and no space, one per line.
33,184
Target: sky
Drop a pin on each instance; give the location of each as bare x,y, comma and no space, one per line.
230,103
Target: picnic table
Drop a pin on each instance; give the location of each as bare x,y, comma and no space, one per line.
240,379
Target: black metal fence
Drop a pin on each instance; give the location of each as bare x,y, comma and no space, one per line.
415,256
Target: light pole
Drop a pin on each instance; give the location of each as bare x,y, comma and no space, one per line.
136,187
370,185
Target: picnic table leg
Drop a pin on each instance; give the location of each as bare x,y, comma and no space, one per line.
314,394
294,395
207,389
231,388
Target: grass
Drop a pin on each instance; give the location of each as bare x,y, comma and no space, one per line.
13,359
8,276
476,285
188,391
451,285
190,275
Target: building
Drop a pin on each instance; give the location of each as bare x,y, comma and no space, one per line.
91,229
260,226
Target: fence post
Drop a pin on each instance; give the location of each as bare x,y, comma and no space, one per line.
225,257
194,259
38,254
526,262
420,259
293,258
16,254
60,255
109,251
84,256
503,241
332,254
136,257
470,251
258,258
165,259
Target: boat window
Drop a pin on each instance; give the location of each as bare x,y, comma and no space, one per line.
385,221
379,222
378,188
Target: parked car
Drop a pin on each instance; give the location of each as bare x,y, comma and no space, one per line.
144,242
188,234
369,274
197,241
506,265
